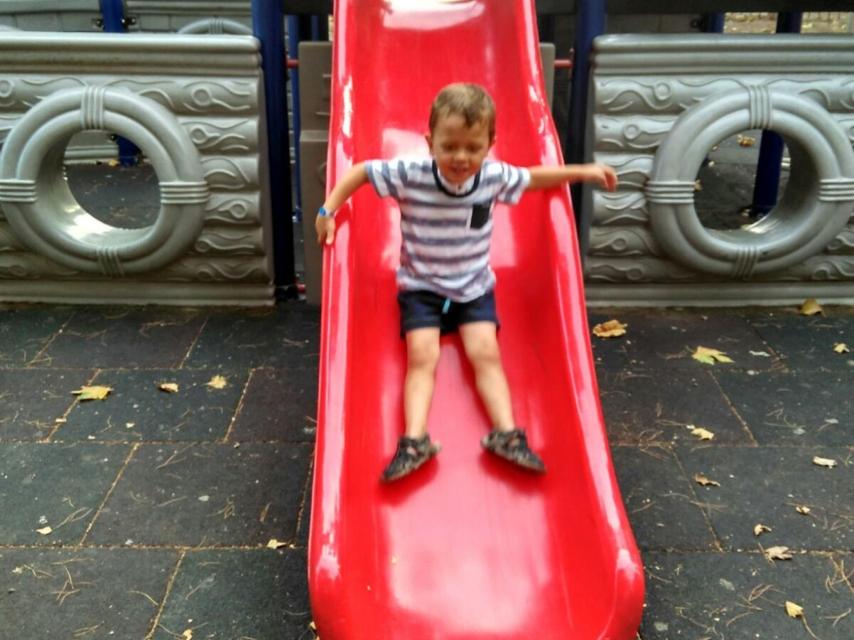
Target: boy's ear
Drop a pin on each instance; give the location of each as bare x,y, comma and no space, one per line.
429,138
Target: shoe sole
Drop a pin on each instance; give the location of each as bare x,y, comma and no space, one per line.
434,449
518,463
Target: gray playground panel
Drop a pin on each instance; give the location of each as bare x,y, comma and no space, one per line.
195,108
658,106
175,15
51,15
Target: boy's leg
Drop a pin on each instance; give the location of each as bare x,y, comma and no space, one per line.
480,342
422,357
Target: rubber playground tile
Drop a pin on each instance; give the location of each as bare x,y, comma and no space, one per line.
659,500
802,407
52,485
743,595
807,342
137,409
658,405
668,338
206,494
767,485
231,594
279,405
25,330
31,400
83,593
124,337
280,337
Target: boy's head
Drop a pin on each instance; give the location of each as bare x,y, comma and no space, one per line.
462,129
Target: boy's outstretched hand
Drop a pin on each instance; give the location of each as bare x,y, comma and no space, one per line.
325,228
601,174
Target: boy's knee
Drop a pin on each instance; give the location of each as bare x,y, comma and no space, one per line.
423,355
483,352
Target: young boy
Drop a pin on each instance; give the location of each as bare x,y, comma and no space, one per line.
445,281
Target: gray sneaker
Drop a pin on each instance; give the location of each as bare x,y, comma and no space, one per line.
411,453
513,446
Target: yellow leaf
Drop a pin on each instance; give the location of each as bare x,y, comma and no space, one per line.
841,347
710,356
112,163
745,141
759,529
778,553
702,434
794,610
217,382
92,393
45,531
276,544
699,478
802,509
169,387
810,307
610,329
698,185
824,462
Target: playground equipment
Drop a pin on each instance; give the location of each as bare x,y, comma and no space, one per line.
193,105
467,548
659,106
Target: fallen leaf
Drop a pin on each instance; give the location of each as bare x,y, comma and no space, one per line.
760,354
802,509
217,382
710,356
92,393
794,610
112,163
700,479
169,387
759,529
745,141
45,531
702,434
811,307
824,462
841,347
276,544
698,186
778,553
610,329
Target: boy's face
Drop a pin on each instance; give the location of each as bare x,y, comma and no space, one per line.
459,150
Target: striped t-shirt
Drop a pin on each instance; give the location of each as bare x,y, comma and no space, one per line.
446,230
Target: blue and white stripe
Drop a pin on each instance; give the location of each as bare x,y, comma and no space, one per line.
440,252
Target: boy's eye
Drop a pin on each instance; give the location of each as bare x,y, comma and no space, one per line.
473,148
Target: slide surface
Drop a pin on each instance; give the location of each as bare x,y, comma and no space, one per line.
468,547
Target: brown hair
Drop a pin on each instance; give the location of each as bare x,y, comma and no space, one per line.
469,100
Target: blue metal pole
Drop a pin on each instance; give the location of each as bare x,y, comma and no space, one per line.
771,148
113,14
294,38
714,22
589,23
268,25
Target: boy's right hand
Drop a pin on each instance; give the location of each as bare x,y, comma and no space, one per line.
325,228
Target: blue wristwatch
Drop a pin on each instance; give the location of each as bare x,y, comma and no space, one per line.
322,212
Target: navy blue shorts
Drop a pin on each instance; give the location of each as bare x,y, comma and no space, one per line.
420,309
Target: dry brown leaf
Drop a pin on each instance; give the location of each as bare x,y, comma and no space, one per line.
824,462
802,509
778,553
217,382
811,307
610,329
168,387
841,347
95,392
276,544
710,356
45,531
794,610
745,141
701,433
700,479
759,529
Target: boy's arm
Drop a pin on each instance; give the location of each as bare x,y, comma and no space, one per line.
544,177
353,178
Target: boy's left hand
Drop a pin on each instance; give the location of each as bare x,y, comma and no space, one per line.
603,175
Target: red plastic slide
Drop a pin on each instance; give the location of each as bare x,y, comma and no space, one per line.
469,547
